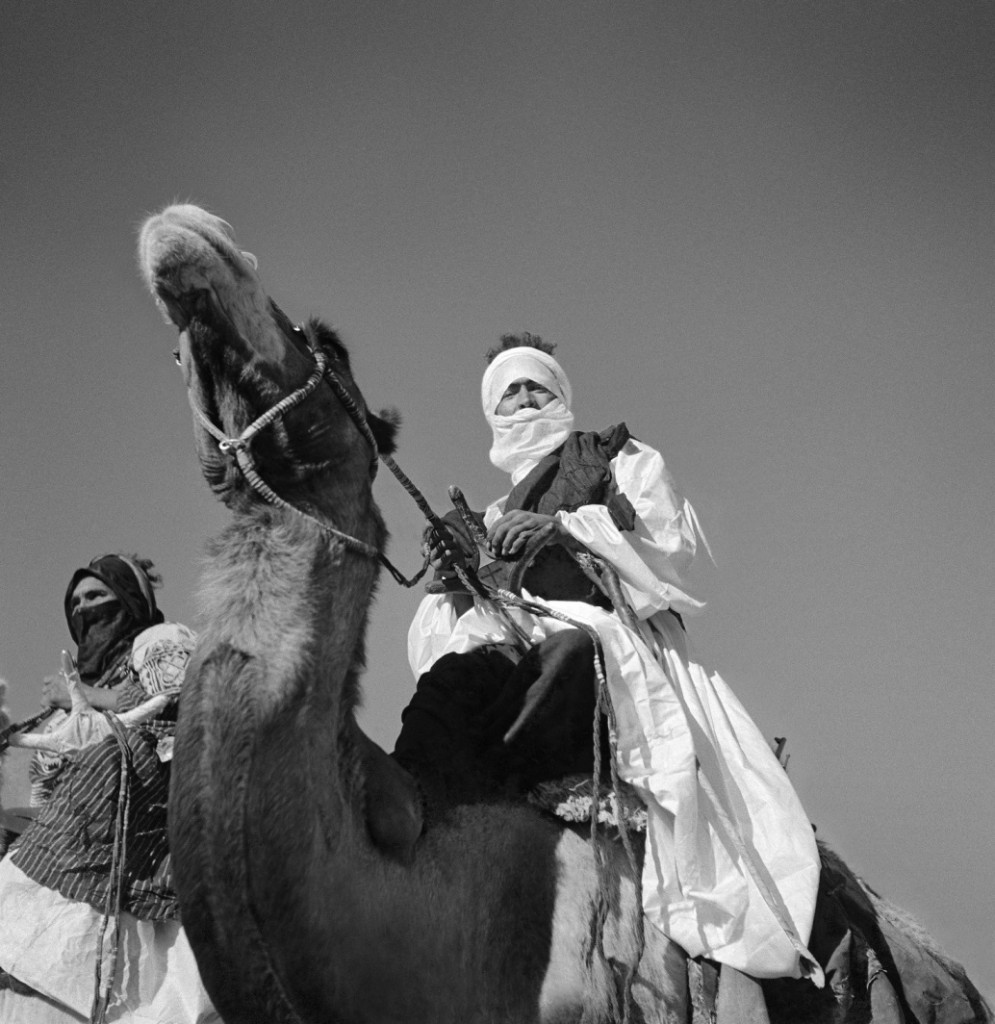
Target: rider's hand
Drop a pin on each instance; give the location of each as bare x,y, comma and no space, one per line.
55,692
441,548
514,530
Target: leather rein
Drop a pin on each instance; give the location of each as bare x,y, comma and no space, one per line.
241,447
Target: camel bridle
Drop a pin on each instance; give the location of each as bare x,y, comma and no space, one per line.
241,448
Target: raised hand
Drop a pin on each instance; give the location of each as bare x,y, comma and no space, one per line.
85,725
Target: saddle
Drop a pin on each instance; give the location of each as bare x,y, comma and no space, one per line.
571,799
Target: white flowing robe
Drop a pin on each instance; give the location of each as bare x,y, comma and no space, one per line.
731,869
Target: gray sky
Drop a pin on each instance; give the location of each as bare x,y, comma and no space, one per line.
761,234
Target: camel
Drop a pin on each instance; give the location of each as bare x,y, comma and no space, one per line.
310,891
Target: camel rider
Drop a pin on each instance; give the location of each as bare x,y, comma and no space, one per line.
731,870
108,606
55,884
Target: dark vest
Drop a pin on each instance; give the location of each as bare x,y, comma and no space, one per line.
575,474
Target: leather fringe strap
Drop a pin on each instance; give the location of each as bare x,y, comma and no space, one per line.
115,888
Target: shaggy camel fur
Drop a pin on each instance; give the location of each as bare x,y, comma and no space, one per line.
308,892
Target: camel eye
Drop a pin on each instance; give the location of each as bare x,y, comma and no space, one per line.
176,357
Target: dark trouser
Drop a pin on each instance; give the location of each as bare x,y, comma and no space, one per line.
455,732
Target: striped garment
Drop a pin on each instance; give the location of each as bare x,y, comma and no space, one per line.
69,847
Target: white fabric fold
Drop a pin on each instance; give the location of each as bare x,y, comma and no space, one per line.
524,437
731,869
50,943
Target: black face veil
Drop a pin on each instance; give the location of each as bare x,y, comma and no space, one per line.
102,631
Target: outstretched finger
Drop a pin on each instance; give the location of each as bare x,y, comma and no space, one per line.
38,741
73,684
145,711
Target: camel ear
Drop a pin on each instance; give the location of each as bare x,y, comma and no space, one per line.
385,427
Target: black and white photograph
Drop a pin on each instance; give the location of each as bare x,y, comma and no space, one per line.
498,512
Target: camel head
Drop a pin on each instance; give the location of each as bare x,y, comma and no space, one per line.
240,355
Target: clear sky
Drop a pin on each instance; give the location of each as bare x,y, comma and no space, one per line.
761,233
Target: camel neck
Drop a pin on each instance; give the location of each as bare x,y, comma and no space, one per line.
279,591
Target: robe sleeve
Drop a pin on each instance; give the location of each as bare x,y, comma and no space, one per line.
651,560
429,631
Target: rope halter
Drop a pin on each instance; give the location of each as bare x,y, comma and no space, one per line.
241,446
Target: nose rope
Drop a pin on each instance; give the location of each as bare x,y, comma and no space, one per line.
240,447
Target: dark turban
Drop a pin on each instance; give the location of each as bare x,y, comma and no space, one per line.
103,631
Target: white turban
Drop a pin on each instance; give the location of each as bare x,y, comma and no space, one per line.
524,437
523,361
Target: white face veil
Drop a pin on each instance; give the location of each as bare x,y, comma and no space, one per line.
524,437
